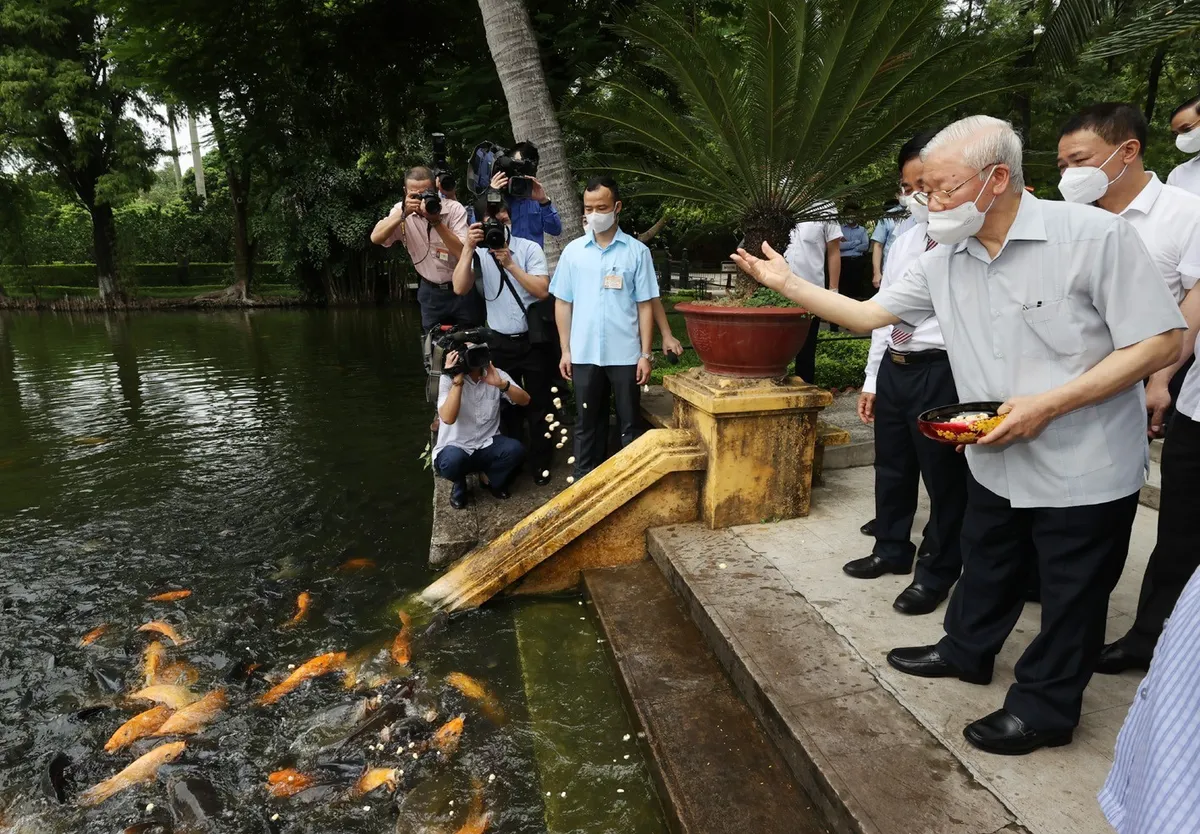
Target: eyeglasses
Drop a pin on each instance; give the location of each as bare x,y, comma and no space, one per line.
925,198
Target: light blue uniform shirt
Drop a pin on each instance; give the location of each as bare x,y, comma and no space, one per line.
604,322
503,313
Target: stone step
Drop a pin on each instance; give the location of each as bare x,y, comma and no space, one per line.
716,770
1149,496
870,766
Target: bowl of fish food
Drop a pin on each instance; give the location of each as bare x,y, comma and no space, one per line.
960,424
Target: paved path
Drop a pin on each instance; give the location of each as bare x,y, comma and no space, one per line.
1049,792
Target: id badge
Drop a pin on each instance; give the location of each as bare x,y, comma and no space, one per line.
442,254
613,282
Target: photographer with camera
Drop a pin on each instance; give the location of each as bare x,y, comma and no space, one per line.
433,231
533,214
515,282
469,438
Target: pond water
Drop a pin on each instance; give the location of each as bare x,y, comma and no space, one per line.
249,458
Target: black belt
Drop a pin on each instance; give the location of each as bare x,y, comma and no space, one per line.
518,336
917,357
449,285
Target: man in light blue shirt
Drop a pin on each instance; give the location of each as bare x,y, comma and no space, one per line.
854,246
603,287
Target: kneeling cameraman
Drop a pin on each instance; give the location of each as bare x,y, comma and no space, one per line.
469,438
513,276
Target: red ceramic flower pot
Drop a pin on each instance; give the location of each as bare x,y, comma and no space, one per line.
745,341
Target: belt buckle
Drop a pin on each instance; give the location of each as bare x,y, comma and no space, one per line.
899,358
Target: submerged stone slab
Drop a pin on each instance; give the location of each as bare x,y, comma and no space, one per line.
717,771
866,761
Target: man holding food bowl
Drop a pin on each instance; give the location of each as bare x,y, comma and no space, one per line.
1057,311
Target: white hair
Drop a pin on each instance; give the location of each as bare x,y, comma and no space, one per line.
983,141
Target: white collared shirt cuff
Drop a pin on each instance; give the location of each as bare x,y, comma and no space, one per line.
869,385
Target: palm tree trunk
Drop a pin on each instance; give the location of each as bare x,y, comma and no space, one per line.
530,110
174,149
197,156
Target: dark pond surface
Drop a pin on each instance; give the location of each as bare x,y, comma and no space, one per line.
249,457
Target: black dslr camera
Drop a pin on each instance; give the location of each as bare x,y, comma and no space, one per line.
442,174
520,171
495,234
432,201
471,344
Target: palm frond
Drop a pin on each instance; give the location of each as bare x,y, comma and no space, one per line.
1068,27
1157,24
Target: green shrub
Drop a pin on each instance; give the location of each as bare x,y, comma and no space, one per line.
841,360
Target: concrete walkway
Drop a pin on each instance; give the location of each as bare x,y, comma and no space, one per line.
1049,792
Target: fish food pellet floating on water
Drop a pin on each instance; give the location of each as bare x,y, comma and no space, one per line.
620,790
366,807
274,817
627,755
149,807
547,435
626,738
585,405
545,473
572,460
570,479
721,566
564,430
549,418
563,794
491,777
553,390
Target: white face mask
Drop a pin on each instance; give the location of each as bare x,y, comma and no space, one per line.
951,226
600,222
1087,184
919,212
1189,142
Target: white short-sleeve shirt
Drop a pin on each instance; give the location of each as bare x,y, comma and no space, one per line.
1187,176
478,415
1071,284
808,242
504,314
1168,220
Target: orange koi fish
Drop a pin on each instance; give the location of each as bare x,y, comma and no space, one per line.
140,726
320,665
170,596
175,697
93,635
193,718
477,819
288,782
375,777
356,564
143,769
402,645
180,672
477,691
152,660
165,629
302,604
446,739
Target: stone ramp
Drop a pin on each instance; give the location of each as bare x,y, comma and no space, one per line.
716,771
614,499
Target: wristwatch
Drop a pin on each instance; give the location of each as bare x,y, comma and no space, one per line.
646,356
507,385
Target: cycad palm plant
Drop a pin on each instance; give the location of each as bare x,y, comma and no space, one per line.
792,111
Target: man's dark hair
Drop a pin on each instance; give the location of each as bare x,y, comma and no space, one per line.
604,181
1113,121
891,202
417,173
1194,104
912,148
852,208
527,150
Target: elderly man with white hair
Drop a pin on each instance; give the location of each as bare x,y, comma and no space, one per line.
1058,311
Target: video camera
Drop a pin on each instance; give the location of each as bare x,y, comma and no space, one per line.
495,233
442,174
520,165
471,344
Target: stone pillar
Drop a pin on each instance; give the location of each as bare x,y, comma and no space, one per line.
760,435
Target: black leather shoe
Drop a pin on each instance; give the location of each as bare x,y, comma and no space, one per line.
868,529
1005,734
917,599
458,497
1115,659
925,551
872,567
501,493
926,662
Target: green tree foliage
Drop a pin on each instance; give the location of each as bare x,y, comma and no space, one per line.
791,110
67,109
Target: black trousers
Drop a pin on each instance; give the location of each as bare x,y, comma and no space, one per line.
440,305
535,368
594,385
903,457
1177,553
1080,552
806,359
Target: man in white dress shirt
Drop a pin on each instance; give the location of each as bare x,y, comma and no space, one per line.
1185,124
1057,311
1100,155
908,372
814,247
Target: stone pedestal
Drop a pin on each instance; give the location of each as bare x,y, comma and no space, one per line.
760,435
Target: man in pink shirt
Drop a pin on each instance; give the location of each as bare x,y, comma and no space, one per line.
433,230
